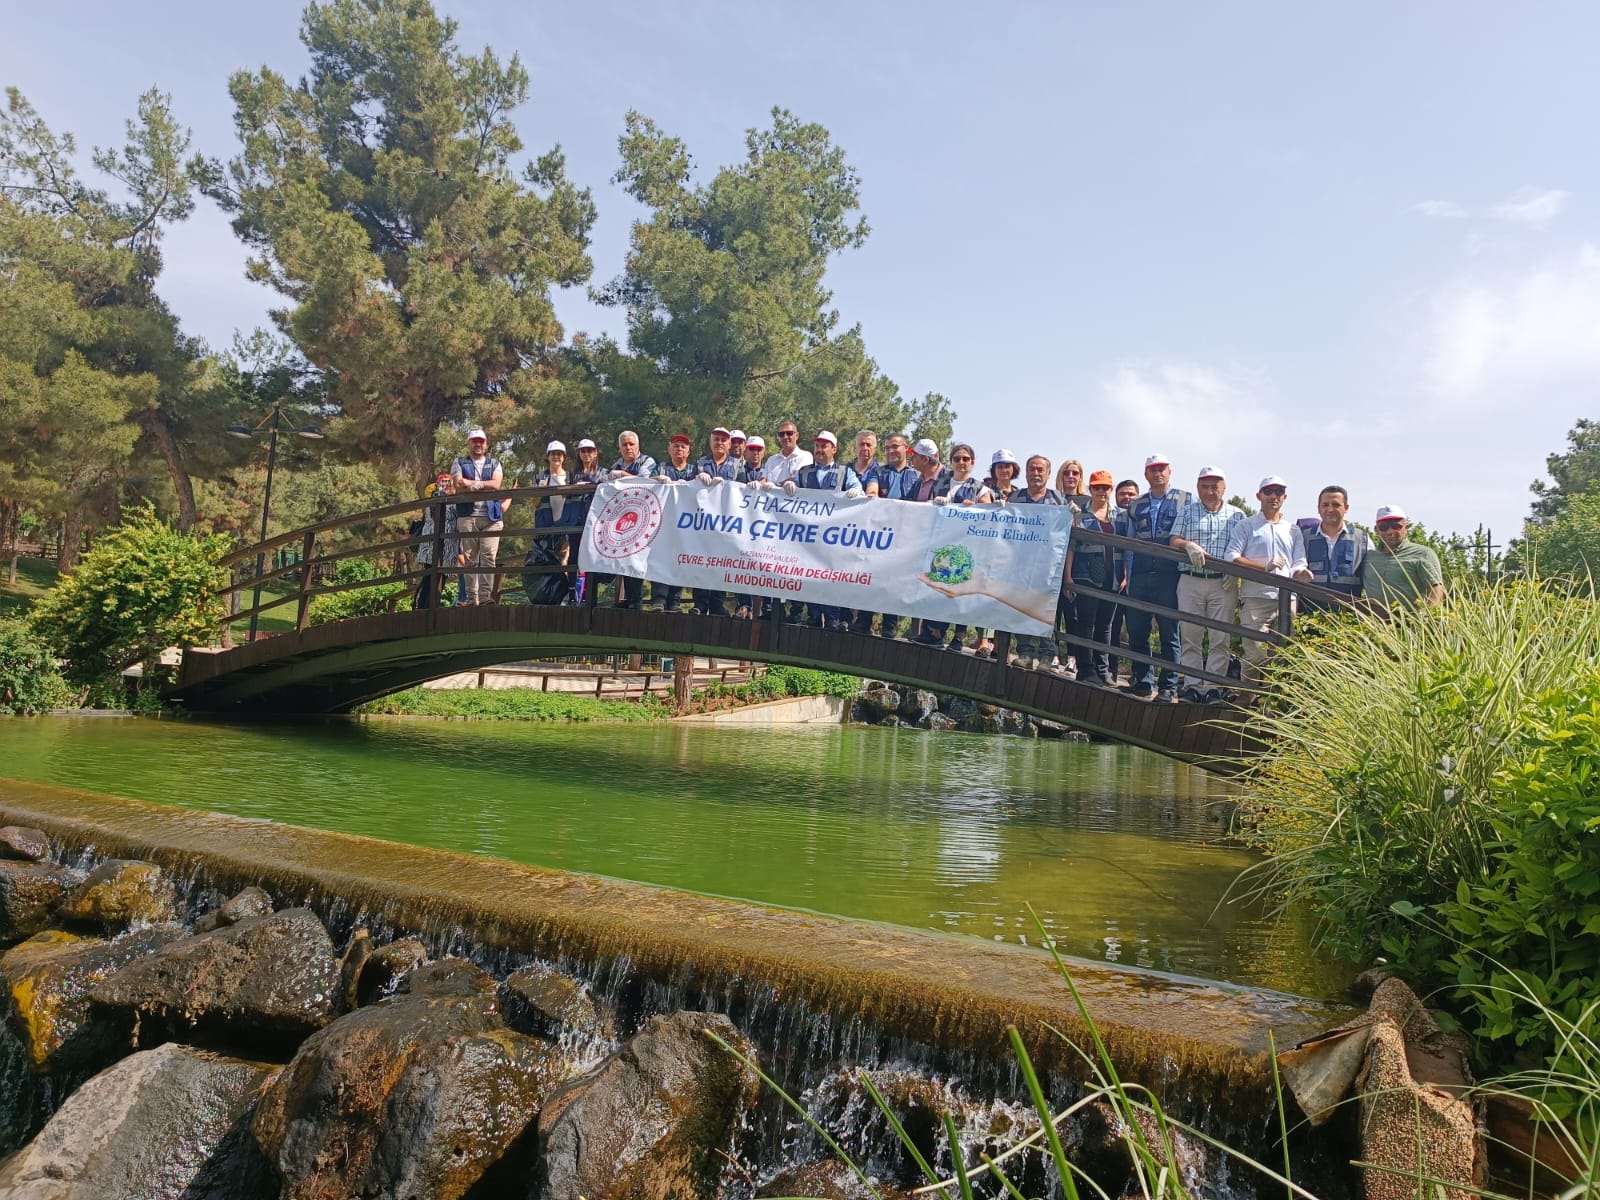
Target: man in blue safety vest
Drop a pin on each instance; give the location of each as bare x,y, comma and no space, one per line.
1151,518
1334,550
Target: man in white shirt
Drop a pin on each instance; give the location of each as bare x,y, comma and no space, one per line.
1202,532
1269,543
781,467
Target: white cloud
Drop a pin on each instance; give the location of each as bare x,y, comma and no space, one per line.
1498,343
1531,206
1439,209
1170,397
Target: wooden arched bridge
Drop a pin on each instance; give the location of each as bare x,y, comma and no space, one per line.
331,666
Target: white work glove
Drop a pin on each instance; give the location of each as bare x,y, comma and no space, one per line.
662,479
618,474
1197,556
789,487
1279,562
853,493
706,479
941,500
753,484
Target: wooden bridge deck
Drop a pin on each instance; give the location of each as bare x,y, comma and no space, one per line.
334,667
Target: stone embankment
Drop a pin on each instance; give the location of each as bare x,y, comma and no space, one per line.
880,703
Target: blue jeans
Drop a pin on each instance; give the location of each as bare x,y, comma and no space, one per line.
1156,587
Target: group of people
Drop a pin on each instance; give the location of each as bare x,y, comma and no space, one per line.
1200,529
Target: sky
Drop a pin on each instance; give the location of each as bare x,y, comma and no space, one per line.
1353,244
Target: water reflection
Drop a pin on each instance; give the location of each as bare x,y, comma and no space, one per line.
1121,852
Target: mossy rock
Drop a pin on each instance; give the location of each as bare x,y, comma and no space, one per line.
24,843
30,893
122,892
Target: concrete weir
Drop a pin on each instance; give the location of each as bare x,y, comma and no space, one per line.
838,990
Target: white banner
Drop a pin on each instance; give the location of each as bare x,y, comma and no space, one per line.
993,566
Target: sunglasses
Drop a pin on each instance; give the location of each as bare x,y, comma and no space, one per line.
788,433
961,458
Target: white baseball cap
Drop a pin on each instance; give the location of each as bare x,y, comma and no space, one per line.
1158,460
824,436
554,446
1390,512
926,448
477,434
757,441
1211,473
1271,481
736,434
587,444
1003,456
722,430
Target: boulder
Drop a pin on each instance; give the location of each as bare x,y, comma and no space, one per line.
447,977
980,722
957,708
940,723
916,704
30,893
24,842
1016,723
252,902
892,720
354,958
879,700
829,1179
47,980
122,892
417,1095
167,1123
540,1000
1053,730
655,1119
384,966
274,975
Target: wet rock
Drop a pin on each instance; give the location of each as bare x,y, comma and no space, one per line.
24,842
170,1122
384,967
980,722
252,902
916,704
890,721
939,722
653,1118
122,892
1017,724
354,958
29,896
1054,730
273,975
540,1000
860,714
47,981
447,977
417,1095
829,1179
957,708
880,701
989,710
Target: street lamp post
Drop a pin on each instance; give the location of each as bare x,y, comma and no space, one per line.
274,421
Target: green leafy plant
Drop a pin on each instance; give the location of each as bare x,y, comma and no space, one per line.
1526,934
29,680
513,704
145,586
358,601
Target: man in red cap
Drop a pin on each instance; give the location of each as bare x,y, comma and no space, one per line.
677,469
480,521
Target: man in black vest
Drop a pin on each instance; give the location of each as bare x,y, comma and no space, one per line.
1334,551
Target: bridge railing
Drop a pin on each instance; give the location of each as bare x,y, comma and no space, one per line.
312,574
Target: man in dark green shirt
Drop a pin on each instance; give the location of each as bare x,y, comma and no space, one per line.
1399,571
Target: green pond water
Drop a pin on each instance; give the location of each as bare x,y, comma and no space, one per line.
1122,852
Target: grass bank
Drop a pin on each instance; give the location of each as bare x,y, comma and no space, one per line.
512,704
35,577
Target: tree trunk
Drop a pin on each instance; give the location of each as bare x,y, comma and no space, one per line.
156,424
71,540
682,682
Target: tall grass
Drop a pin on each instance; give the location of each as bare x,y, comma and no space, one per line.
1383,743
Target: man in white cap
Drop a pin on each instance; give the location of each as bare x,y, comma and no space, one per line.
736,440
755,452
1268,542
631,461
782,467
1151,518
721,464
1400,571
480,521
825,474
1202,532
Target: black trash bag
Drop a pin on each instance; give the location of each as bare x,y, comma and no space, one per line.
551,588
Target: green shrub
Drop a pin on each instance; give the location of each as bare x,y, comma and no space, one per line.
29,680
1390,747
512,704
357,602
780,681
145,586
1525,940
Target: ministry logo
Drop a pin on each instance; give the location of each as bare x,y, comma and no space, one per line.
627,523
